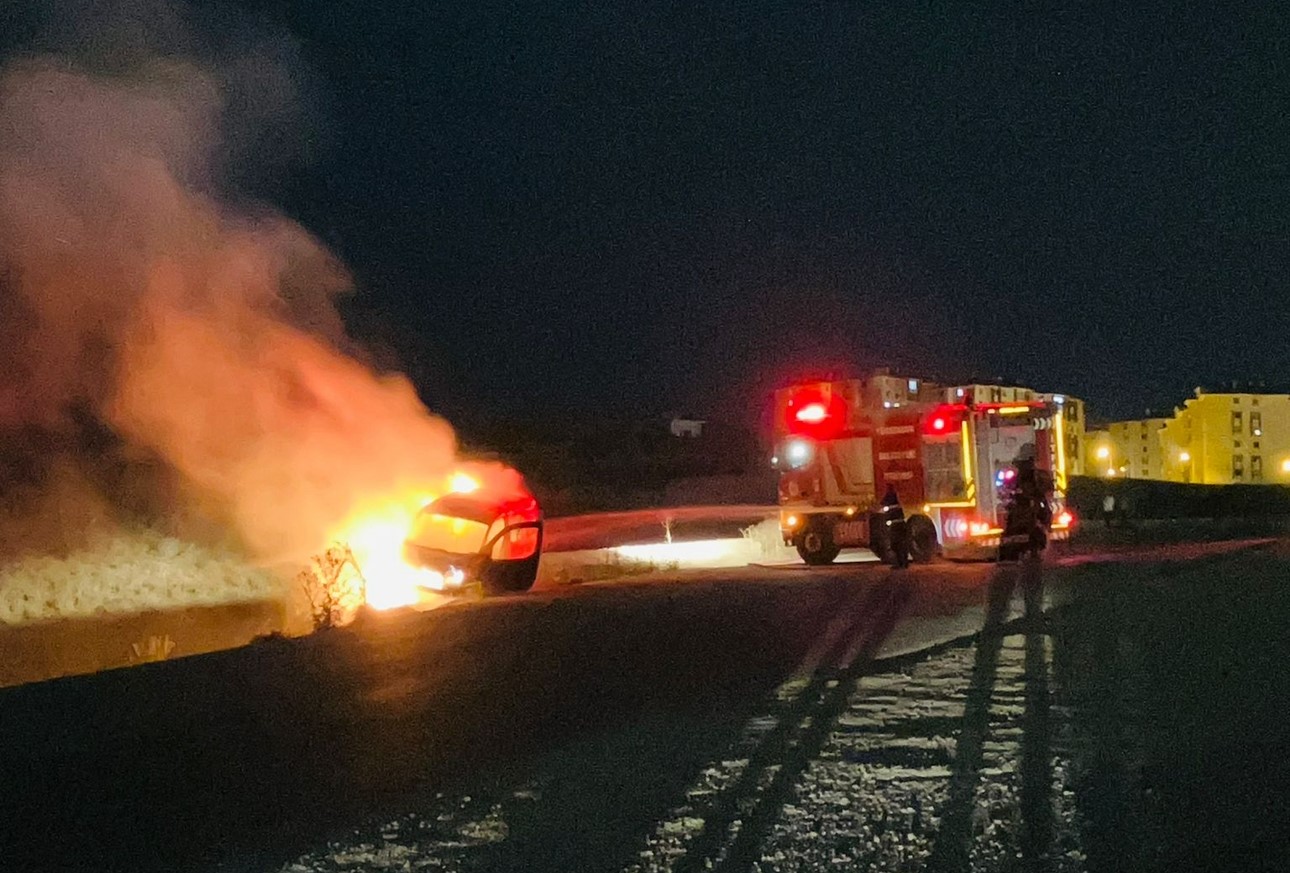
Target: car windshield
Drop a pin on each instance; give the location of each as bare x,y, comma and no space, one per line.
438,528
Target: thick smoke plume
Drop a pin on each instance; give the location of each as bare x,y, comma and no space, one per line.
201,336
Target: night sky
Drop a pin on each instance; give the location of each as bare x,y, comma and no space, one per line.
598,207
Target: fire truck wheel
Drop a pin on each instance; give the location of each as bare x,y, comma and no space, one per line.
923,546
815,545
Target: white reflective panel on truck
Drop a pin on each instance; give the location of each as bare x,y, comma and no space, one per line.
850,463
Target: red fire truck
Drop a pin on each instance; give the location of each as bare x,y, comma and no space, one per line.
838,447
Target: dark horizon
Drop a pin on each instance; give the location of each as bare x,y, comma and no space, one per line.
581,210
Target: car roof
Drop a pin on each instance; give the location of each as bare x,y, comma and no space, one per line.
480,507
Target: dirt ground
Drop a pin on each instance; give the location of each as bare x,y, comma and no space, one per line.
1099,716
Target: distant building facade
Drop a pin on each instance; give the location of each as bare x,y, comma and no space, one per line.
892,392
990,394
1224,439
1212,439
687,427
1129,449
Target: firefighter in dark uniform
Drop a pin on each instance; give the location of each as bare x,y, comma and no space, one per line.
1034,484
1028,507
897,530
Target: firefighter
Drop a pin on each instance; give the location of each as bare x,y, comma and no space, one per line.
1028,507
1024,482
897,530
1033,483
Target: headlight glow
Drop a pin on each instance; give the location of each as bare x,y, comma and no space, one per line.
799,453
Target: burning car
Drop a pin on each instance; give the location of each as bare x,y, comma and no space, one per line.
463,540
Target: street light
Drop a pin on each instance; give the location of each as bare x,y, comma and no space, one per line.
1103,453
1184,457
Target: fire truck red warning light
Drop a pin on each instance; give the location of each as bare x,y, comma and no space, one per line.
944,419
816,413
812,413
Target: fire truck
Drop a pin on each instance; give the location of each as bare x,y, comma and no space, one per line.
951,458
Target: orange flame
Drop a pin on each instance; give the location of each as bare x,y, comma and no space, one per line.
376,536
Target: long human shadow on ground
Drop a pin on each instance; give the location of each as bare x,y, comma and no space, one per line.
1036,734
951,851
802,726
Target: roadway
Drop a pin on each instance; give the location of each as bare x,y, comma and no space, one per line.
759,718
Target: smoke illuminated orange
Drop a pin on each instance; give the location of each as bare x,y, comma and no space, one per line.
206,339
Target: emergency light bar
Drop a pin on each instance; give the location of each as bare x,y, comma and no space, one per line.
1012,408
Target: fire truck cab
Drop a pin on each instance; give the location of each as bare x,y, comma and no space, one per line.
839,444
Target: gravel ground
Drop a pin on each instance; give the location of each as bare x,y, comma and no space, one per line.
1045,743
931,762
928,762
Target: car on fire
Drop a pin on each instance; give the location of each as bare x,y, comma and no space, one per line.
477,542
